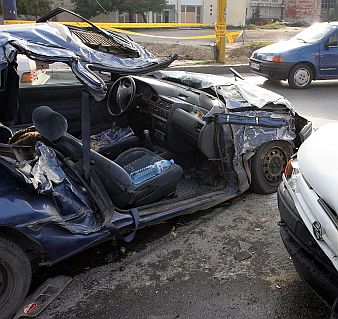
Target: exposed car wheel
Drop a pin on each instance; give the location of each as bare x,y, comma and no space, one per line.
267,166
300,76
15,277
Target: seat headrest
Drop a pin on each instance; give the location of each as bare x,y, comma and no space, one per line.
50,124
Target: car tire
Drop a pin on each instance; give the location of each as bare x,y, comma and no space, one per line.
267,166
15,277
300,76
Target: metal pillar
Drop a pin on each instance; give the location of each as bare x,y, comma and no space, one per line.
221,30
9,9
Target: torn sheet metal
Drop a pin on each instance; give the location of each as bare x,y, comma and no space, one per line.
53,42
237,94
252,125
251,129
47,177
46,170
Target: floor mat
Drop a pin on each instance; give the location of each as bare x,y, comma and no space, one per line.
190,185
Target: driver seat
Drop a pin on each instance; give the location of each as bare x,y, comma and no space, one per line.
114,176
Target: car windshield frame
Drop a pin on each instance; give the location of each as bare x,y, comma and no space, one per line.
314,33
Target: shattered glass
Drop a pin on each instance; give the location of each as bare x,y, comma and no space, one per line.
46,171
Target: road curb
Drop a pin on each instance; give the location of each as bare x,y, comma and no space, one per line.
213,68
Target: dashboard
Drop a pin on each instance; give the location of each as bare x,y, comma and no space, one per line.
171,113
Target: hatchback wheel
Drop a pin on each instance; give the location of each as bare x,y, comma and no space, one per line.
300,76
267,166
15,277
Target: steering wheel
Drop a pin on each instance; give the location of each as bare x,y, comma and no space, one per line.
121,95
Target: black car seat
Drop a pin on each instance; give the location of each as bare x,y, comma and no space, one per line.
114,175
113,150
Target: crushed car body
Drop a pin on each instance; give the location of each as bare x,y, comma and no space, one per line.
71,146
80,49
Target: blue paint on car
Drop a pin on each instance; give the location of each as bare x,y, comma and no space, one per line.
310,55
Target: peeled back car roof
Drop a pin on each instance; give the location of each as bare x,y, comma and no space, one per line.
54,42
318,162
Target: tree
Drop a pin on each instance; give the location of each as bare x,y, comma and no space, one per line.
33,7
133,7
91,8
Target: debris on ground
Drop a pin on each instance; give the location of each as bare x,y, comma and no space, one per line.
173,231
242,255
185,52
35,303
238,53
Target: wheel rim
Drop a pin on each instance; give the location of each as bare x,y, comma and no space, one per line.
302,77
273,163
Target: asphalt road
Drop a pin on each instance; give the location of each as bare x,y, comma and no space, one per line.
193,267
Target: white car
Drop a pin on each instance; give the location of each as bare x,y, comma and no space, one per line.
308,205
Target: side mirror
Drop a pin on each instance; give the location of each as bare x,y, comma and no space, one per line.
331,44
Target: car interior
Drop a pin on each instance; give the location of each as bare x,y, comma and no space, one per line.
166,121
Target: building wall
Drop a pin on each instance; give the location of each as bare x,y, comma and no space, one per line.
268,9
209,11
302,10
236,12
185,11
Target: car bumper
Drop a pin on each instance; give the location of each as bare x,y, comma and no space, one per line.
272,70
309,260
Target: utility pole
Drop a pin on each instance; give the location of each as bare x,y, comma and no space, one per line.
221,29
9,9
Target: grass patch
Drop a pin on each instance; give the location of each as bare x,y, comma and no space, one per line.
273,26
269,26
205,62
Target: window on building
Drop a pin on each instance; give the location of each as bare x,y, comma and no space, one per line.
191,14
328,10
198,15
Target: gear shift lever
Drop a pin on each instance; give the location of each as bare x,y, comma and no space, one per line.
147,141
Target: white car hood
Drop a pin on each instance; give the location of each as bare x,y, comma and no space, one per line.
318,163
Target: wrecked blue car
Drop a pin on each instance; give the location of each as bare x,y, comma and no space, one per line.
97,142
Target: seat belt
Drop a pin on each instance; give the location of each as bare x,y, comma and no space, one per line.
116,232
85,131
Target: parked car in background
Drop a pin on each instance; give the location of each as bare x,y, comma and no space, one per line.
310,55
29,73
70,147
308,205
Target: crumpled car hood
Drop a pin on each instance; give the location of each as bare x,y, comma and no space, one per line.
54,42
318,158
232,91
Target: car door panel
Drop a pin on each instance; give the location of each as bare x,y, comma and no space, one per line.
63,99
328,60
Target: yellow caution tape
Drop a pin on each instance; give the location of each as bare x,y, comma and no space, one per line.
125,25
231,36
209,36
